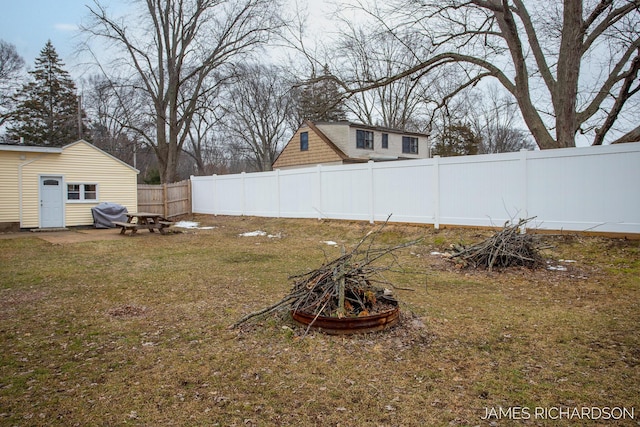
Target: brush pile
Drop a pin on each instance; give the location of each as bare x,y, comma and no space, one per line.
508,247
343,287
352,285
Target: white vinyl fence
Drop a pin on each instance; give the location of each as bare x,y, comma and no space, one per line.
577,189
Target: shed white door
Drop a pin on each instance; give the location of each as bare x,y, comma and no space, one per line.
51,202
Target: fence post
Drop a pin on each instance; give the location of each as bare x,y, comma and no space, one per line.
191,198
190,202
215,194
243,206
318,197
524,188
371,192
436,191
278,210
165,207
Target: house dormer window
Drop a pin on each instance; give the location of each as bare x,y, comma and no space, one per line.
304,141
364,139
409,145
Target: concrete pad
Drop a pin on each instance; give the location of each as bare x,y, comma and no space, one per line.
68,236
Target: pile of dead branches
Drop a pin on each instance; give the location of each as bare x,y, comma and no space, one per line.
349,286
508,247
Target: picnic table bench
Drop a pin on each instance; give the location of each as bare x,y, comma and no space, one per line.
142,220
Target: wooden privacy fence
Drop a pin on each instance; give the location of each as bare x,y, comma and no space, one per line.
169,200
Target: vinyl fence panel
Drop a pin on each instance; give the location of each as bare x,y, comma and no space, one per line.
483,191
577,189
298,191
345,192
404,190
259,197
596,191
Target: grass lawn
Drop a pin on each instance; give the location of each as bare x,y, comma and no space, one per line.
135,331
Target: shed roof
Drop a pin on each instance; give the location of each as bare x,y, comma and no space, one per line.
29,148
57,150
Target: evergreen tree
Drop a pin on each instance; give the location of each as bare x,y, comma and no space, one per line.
47,107
457,140
321,100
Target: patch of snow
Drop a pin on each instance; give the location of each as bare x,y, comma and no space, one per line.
435,253
275,236
191,224
557,267
253,233
329,242
186,224
567,260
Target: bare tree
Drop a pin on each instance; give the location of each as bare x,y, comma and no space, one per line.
11,63
176,47
370,57
11,67
495,117
119,116
108,107
201,145
260,104
571,66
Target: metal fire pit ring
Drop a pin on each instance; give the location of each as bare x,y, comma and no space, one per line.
349,325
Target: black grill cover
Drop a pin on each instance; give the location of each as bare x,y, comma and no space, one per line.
105,213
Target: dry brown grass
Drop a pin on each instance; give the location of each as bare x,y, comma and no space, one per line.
135,331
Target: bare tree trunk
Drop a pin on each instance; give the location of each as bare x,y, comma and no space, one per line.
566,92
187,42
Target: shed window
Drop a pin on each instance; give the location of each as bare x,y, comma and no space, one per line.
82,192
364,139
304,141
50,182
385,140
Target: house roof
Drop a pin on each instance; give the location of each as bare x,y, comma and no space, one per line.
371,127
57,150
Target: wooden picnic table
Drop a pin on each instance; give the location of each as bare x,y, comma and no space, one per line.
137,220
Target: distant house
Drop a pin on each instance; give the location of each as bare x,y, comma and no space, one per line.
55,187
331,143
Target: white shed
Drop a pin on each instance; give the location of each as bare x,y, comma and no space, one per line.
56,187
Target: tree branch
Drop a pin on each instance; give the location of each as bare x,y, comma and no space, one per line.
631,136
614,77
623,95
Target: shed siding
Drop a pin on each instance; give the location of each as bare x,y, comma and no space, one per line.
83,164
30,196
9,195
318,152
